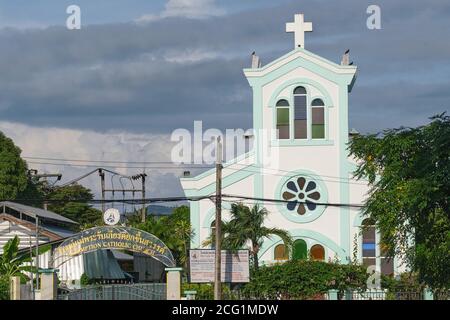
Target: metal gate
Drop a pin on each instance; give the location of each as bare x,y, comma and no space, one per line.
141,291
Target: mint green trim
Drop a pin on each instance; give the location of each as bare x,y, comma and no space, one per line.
359,218
173,269
226,181
321,239
294,216
288,99
258,181
344,170
327,73
194,214
352,167
300,82
312,143
225,165
211,215
291,85
310,54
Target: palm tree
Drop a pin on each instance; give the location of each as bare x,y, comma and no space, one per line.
247,225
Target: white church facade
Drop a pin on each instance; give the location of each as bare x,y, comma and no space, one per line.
304,99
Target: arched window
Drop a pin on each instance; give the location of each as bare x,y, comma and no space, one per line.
280,252
300,250
317,252
318,119
300,113
386,263
283,119
368,243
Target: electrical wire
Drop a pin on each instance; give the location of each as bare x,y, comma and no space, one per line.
183,198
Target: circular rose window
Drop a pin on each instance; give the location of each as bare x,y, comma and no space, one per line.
304,197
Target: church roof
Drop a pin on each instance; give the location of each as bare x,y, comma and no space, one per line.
304,58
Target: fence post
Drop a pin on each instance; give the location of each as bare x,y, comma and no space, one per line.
173,283
428,294
190,295
14,288
332,294
49,284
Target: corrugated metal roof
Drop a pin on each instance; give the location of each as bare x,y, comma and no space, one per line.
63,232
101,264
33,212
121,255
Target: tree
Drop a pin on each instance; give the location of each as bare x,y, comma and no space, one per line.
13,169
174,230
73,202
247,225
408,172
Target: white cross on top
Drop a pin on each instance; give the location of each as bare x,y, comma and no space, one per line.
299,27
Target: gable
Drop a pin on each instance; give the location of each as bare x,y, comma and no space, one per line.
303,59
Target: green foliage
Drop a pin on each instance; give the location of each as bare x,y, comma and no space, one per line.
4,288
303,279
406,282
174,230
408,170
247,224
73,204
205,291
11,261
13,170
85,280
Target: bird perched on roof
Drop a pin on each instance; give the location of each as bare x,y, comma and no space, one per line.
256,62
346,58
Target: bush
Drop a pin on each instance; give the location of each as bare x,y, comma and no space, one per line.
406,282
205,291
304,279
85,280
4,288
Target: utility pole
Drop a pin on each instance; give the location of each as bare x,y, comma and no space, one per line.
37,251
218,224
102,182
34,174
144,209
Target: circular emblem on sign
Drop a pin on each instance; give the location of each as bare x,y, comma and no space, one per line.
111,216
303,196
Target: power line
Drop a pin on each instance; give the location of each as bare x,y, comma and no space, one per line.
183,198
292,201
98,161
181,167
161,162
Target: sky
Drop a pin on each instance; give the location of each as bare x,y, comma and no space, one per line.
138,69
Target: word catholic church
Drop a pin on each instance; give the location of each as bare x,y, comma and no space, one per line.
304,97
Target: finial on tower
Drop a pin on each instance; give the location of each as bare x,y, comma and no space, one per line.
299,27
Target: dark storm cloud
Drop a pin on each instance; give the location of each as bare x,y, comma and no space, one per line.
134,77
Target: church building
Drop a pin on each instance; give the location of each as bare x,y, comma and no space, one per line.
303,98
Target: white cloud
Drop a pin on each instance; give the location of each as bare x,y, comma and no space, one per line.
91,145
192,9
190,56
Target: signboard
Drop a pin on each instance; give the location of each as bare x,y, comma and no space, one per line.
111,216
234,265
114,237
